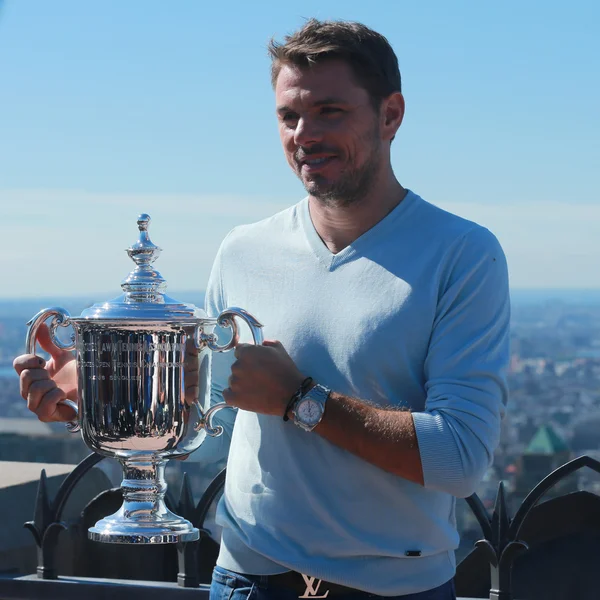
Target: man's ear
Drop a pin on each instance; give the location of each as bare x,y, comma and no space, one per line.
392,113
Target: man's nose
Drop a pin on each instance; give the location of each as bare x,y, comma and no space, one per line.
307,132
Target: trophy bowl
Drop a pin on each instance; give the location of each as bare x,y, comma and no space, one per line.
143,368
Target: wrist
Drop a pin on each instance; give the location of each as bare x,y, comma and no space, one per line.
301,389
290,407
308,410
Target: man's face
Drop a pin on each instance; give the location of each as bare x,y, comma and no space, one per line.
329,130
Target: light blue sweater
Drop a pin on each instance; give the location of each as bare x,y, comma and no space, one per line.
413,314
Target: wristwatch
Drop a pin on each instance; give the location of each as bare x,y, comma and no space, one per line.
308,410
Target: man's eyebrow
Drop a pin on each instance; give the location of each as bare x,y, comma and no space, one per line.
331,100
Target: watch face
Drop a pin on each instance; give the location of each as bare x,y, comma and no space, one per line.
309,411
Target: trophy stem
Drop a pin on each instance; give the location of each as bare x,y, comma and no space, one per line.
143,487
143,518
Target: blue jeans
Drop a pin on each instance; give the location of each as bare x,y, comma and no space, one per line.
227,585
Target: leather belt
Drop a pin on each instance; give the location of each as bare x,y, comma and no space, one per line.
308,587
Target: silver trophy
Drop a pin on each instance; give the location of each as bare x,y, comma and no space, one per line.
143,366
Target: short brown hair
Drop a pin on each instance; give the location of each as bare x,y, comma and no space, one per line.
368,53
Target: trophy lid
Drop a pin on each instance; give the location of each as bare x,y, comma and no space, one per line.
143,297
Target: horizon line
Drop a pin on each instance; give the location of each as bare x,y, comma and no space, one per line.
106,296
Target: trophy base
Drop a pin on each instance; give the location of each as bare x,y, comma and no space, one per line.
115,531
143,517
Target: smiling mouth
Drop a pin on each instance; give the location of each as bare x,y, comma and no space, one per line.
315,164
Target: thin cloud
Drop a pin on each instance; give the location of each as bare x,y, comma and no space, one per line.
67,242
59,203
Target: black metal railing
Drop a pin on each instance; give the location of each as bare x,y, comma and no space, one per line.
501,541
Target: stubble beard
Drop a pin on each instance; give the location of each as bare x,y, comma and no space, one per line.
352,186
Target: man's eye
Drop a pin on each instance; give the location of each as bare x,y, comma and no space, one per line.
329,110
289,117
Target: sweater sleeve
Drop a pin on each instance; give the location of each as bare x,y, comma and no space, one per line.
465,368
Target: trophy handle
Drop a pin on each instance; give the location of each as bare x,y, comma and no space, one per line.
227,319
61,318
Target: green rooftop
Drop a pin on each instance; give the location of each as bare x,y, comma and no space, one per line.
546,441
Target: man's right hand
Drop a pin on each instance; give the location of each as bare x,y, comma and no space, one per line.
44,384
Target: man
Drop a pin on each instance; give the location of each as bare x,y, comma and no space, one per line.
378,399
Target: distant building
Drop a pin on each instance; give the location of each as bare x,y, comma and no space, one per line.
30,440
585,432
546,451
27,427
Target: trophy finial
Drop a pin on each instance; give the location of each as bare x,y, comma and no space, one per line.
143,252
143,222
144,283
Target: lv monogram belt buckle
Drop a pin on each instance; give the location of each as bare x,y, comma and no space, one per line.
313,586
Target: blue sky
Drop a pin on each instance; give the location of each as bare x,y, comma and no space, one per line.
111,108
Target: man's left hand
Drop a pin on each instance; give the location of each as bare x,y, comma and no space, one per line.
263,378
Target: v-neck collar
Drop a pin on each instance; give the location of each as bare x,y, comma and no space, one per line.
332,261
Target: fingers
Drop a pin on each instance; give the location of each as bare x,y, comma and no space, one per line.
64,413
234,390
40,391
190,347
28,361
241,349
43,399
261,378
191,373
30,376
192,379
273,343
233,382
228,397
192,394
45,341
43,395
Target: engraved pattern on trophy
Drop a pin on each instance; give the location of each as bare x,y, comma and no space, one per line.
143,368
134,393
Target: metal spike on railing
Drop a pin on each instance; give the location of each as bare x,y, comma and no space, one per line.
499,550
500,518
45,530
42,515
47,523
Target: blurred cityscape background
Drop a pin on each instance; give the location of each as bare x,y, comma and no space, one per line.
553,414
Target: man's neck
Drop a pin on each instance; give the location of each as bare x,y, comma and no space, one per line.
339,226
